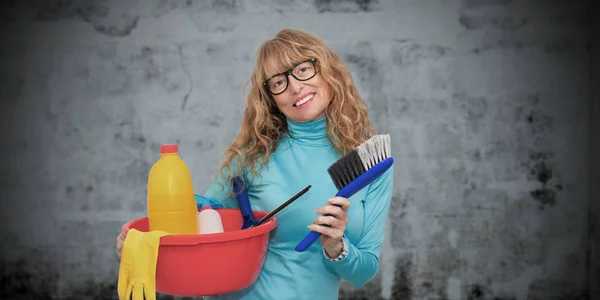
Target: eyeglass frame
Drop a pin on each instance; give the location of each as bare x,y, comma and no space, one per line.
287,76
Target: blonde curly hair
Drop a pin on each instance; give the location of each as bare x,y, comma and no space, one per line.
264,124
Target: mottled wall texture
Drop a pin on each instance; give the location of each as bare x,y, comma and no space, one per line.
594,215
488,103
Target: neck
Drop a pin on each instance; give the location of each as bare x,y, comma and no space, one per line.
313,133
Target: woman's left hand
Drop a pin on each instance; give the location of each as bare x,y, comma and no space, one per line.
331,237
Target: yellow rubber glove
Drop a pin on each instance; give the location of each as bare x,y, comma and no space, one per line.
137,273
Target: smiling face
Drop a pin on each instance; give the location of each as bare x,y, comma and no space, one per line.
302,95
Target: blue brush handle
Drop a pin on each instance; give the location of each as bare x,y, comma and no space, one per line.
243,202
356,185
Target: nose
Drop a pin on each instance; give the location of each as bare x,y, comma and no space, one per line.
294,85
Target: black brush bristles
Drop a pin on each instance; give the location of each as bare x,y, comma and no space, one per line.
361,159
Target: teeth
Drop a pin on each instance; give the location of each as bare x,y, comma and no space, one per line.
304,100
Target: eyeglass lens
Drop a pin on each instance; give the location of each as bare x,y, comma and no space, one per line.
303,71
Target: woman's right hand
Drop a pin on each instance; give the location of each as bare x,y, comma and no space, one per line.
120,241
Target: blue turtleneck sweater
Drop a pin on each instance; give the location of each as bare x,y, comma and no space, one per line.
302,159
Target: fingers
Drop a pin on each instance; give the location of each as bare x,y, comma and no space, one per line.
344,203
336,206
121,238
334,233
120,242
331,221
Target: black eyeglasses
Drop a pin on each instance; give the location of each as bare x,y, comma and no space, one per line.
302,71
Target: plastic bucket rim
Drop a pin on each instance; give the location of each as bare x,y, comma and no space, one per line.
194,239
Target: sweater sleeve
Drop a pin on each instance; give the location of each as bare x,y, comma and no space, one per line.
362,262
218,194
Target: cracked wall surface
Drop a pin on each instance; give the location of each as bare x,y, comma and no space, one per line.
594,215
487,102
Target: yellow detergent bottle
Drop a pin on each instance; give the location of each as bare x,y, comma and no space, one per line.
171,203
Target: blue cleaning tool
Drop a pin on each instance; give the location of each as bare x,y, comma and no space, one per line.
242,198
355,171
244,203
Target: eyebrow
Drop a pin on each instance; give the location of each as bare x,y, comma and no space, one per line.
288,68
278,73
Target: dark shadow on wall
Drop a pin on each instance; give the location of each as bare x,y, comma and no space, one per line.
37,279
594,215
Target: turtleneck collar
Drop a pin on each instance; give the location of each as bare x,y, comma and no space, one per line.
313,133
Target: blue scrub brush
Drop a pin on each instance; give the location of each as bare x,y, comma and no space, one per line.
355,171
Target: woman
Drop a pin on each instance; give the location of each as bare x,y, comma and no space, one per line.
303,114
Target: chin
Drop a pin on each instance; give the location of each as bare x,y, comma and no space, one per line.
304,116
307,118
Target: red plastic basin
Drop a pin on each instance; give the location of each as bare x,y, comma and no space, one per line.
210,264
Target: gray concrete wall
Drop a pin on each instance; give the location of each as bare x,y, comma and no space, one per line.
594,254
487,103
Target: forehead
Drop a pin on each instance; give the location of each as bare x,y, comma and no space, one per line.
275,64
